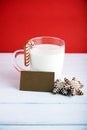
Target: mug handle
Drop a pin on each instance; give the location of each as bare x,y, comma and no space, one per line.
15,63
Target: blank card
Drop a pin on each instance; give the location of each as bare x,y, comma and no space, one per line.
36,81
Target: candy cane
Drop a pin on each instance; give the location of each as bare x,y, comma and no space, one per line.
27,48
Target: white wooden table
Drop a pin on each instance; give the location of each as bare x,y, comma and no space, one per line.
21,110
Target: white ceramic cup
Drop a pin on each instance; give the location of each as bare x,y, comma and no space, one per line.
43,53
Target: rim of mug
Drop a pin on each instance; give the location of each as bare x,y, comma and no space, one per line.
53,37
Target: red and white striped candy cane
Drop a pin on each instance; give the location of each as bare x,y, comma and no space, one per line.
29,44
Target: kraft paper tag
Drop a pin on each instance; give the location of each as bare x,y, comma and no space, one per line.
36,81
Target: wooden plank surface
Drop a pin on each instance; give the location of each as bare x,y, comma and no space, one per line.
43,114
40,110
42,127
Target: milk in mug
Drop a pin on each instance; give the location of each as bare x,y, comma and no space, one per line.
47,57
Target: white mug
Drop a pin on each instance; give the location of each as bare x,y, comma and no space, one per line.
43,53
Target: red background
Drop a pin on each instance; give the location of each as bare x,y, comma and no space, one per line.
21,20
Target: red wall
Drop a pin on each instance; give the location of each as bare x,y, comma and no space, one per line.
21,20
